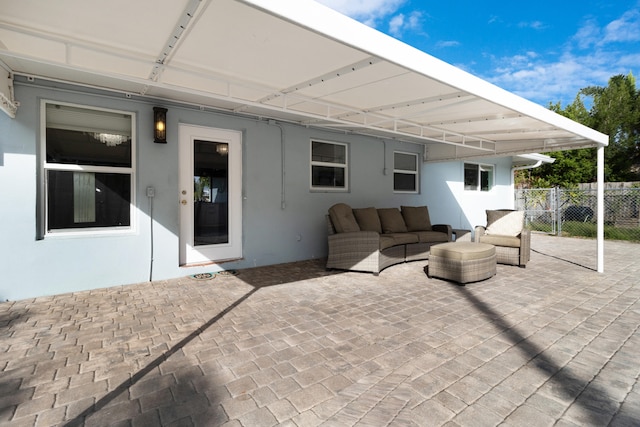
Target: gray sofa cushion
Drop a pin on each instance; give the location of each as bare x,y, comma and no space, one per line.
386,242
368,219
403,238
396,239
342,218
391,220
431,236
416,218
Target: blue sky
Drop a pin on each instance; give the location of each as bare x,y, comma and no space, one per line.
542,50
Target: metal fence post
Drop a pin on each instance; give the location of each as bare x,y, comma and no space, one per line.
558,194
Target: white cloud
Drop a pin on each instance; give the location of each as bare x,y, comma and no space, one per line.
367,11
625,29
535,25
395,24
400,23
375,12
589,58
622,30
447,43
545,81
588,35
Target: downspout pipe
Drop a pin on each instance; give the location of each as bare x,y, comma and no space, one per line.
521,168
283,195
539,158
283,171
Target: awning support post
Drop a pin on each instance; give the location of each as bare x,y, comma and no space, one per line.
600,217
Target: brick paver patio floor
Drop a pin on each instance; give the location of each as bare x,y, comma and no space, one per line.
553,344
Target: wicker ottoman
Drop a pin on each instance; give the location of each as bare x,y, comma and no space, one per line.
462,262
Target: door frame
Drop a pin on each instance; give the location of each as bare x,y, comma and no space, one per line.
190,254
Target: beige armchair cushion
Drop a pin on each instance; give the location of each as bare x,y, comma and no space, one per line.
391,220
342,218
504,223
501,240
368,219
416,218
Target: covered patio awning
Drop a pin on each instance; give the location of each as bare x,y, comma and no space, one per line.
295,61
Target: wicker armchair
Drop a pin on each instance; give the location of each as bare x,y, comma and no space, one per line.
508,235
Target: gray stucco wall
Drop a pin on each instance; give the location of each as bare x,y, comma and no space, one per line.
33,267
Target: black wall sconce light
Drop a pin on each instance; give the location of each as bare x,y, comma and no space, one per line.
160,125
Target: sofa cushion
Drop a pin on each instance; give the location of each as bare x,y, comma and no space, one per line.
431,236
368,219
386,242
391,220
504,223
498,240
342,218
416,218
403,238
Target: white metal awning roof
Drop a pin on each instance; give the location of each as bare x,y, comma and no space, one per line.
296,61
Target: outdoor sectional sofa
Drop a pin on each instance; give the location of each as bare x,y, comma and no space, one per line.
370,239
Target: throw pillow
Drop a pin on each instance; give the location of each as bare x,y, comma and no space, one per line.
416,218
391,220
504,223
368,219
342,218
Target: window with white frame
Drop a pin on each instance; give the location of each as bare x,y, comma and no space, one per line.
329,166
478,177
405,172
87,168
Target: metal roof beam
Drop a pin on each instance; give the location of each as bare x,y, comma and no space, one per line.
422,101
324,78
413,103
477,119
182,25
519,131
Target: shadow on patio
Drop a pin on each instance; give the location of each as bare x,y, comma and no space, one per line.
570,385
257,278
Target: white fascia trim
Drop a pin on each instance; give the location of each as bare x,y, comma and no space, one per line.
332,24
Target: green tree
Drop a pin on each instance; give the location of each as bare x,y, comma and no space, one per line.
615,111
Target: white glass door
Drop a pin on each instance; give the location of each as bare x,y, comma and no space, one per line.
210,194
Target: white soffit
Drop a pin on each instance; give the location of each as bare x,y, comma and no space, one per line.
290,60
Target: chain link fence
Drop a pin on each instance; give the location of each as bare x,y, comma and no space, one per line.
572,212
